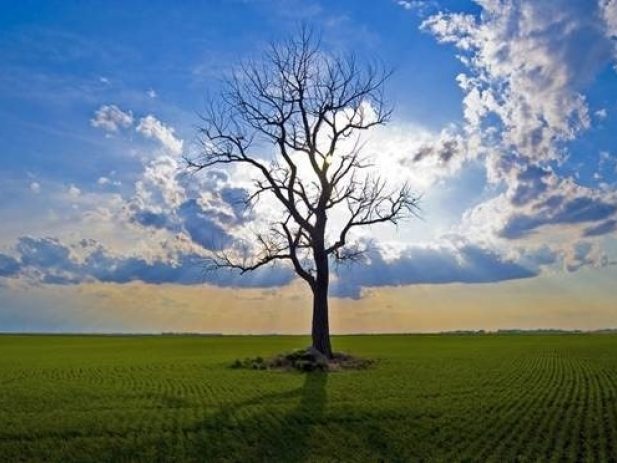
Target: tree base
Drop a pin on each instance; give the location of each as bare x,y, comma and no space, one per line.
305,360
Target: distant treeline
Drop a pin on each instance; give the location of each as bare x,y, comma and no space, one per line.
545,331
522,331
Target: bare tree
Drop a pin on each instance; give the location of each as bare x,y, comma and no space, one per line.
309,108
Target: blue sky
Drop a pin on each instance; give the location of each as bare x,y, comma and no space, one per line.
505,120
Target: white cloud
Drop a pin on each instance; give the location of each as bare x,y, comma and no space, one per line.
608,10
151,93
151,127
527,63
421,7
452,260
584,253
158,185
403,152
408,5
35,187
73,191
539,204
110,118
601,113
523,62
107,181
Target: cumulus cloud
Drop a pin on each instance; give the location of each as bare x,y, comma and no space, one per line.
9,266
204,208
446,263
103,181
35,187
206,226
420,7
537,197
110,118
159,184
49,261
560,210
608,10
585,253
43,252
542,208
527,63
602,228
526,70
410,153
527,66
73,191
202,227
448,145
151,127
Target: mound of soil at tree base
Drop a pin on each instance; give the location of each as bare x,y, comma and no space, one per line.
305,360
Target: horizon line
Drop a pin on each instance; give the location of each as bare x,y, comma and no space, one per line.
405,333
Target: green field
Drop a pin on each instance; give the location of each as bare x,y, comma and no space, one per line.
440,398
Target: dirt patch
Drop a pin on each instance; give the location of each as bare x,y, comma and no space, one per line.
305,360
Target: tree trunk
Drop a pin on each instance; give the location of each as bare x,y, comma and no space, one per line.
321,328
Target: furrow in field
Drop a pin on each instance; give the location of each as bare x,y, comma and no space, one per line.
513,441
460,439
539,442
516,403
441,399
573,447
556,439
593,438
535,427
607,415
492,430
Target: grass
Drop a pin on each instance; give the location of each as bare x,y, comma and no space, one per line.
439,398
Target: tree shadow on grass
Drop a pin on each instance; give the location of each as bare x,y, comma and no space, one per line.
267,436
287,426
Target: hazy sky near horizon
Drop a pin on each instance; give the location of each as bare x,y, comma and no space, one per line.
505,121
